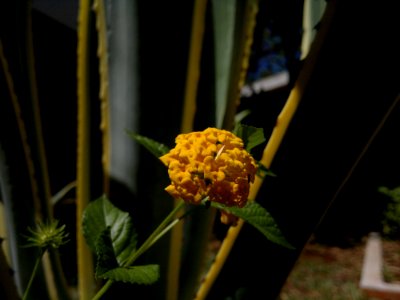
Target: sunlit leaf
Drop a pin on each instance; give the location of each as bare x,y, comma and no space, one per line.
257,216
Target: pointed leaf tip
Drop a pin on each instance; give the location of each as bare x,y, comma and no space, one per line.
257,216
156,148
251,136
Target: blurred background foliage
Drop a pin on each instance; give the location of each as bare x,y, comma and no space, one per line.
339,148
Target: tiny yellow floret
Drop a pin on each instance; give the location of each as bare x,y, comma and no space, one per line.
212,163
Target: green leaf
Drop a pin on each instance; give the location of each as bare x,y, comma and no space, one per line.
108,267
257,216
263,171
106,258
147,274
102,214
394,194
250,135
156,148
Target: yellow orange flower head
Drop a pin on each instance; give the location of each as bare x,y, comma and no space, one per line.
211,163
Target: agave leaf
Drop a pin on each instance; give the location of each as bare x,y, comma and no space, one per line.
244,24
312,13
7,284
272,146
119,81
21,80
233,24
13,174
224,16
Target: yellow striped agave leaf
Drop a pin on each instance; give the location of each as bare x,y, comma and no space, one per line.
232,26
278,133
117,24
20,77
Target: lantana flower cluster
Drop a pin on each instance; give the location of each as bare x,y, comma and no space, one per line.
212,163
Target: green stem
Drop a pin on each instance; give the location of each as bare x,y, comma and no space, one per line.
35,268
157,234
104,289
164,231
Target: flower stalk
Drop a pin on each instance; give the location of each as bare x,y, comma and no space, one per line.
45,236
34,271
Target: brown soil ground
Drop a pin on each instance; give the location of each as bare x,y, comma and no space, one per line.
391,254
326,272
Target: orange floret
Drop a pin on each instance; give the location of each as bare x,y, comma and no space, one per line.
212,163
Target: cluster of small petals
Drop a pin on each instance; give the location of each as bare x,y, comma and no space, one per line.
211,163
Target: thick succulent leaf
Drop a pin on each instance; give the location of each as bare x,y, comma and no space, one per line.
257,216
102,214
119,89
24,181
156,148
313,11
251,136
147,274
224,13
